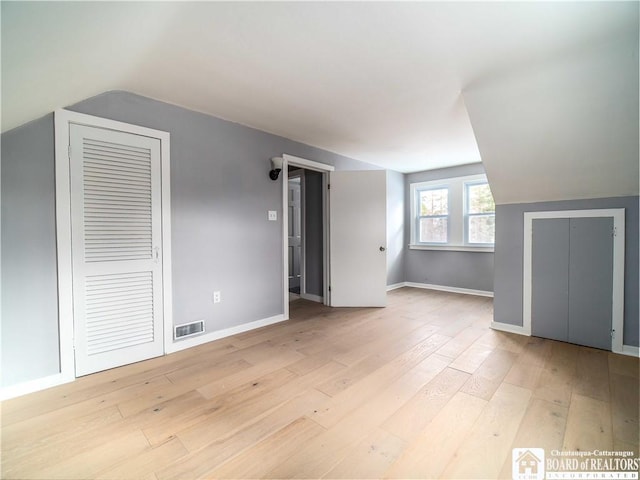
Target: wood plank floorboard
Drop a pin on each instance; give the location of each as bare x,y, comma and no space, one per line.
420,389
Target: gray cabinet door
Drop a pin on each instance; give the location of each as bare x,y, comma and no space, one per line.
591,281
550,278
572,280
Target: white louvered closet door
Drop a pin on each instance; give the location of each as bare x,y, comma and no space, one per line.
116,245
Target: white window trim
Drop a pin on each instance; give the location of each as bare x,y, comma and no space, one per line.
452,248
465,207
457,218
416,218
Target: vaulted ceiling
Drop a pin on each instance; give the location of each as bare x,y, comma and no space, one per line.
544,93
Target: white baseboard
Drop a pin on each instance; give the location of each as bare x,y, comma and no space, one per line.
445,288
395,286
507,327
227,332
312,297
59,379
34,386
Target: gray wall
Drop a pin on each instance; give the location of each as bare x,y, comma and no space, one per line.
473,270
221,239
29,272
396,241
509,257
313,233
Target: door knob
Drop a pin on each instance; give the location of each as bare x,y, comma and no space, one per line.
382,249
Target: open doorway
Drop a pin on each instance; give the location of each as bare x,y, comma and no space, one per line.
314,231
295,231
351,269
306,234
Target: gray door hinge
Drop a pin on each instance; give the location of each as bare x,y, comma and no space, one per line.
614,232
69,151
613,333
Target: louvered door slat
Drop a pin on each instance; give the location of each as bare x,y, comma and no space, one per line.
113,146
101,151
111,181
117,338
122,307
114,210
117,316
116,167
107,290
108,305
120,323
108,162
104,335
114,329
117,293
115,346
98,189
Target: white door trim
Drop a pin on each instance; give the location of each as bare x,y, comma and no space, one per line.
617,310
318,167
62,120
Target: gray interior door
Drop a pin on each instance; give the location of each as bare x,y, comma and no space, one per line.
550,278
572,280
591,281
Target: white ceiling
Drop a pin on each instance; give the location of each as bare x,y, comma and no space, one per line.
388,83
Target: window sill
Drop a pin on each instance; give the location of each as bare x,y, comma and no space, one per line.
452,248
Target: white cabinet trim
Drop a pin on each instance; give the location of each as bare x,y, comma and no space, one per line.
617,311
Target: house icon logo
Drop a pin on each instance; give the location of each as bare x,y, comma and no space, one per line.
528,464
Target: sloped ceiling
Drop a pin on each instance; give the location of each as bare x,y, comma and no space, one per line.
563,129
549,90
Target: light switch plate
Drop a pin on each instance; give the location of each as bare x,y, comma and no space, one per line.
273,215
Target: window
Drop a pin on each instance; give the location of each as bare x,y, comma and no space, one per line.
453,214
480,212
434,215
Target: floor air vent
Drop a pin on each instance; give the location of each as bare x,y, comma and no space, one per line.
189,329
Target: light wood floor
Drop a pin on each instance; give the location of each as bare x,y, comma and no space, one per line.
420,389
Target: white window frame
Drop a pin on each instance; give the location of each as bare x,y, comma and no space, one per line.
418,217
467,215
456,228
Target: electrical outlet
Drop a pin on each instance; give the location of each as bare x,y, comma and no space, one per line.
216,297
273,215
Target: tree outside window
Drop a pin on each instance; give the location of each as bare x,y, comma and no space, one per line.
434,215
481,214
455,213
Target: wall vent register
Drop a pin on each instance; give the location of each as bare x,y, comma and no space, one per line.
189,329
